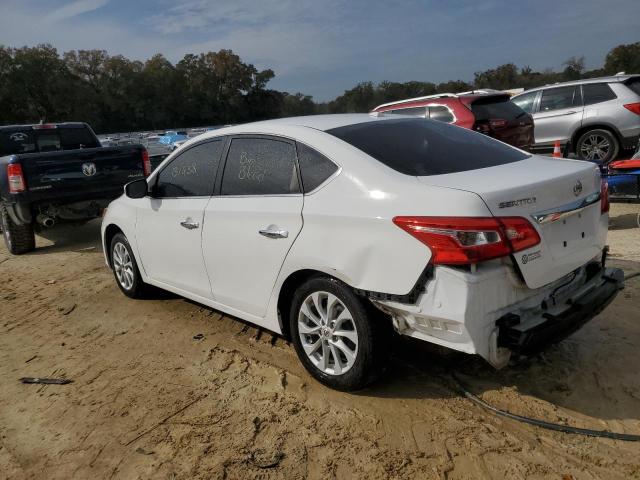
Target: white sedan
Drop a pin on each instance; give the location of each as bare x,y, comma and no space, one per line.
336,230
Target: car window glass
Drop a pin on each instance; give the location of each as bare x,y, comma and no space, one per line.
634,84
596,93
75,138
525,101
48,140
260,166
420,147
558,98
192,173
17,142
496,108
413,111
315,168
441,114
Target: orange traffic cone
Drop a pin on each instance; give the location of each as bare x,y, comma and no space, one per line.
557,153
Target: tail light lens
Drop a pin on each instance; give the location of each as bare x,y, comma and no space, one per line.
16,178
467,240
146,163
497,123
604,197
633,107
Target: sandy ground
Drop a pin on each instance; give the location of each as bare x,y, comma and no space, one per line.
149,401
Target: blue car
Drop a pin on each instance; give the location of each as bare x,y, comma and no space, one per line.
170,137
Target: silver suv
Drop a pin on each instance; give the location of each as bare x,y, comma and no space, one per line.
594,118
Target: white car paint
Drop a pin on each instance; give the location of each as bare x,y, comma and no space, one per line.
344,229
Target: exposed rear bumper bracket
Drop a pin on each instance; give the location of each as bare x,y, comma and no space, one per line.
605,286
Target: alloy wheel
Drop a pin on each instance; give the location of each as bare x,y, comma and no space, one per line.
328,333
595,147
123,266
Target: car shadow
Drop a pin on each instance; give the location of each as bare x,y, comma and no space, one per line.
625,221
69,238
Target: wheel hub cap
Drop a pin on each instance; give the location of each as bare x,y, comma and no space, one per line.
123,266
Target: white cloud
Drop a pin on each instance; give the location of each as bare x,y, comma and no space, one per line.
74,9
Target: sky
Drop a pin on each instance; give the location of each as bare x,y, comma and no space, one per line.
323,47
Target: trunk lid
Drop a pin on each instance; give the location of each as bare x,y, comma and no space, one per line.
560,198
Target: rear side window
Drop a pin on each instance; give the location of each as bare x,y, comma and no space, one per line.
192,173
596,93
75,138
315,168
559,98
260,166
496,108
634,84
413,111
442,114
423,147
525,101
16,142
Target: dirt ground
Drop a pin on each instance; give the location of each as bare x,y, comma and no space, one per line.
150,401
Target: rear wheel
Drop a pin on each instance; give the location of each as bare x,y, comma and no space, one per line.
125,268
19,239
340,339
600,145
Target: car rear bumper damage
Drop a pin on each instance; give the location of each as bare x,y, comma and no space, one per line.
492,313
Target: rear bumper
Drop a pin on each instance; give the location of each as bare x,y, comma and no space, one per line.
492,313
590,300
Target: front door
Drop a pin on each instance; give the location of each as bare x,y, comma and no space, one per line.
170,223
558,115
251,225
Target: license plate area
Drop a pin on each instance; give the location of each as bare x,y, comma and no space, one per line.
570,233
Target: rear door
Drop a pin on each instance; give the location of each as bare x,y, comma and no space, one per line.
558,115
500,118
251,225
170,223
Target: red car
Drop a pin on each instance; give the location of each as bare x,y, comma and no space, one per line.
488,112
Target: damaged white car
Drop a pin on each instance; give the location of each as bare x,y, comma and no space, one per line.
334,230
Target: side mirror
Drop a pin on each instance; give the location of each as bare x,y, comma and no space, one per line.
136,189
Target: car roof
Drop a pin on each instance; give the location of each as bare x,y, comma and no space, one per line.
469,97
609,79
31,125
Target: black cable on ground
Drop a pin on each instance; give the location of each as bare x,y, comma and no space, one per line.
541,423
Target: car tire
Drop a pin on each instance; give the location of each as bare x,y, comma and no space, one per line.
125,269
19,239
340,338
592,143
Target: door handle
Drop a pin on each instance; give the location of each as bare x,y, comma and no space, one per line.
272,231
189,225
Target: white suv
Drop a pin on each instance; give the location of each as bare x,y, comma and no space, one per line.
596,118
334,230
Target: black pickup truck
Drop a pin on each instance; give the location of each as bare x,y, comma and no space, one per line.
59,173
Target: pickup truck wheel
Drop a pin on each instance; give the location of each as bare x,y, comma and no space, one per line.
19,239
600,145
125,268
340,339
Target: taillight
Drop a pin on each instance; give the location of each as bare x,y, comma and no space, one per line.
497,123
16,178
633,107
604,197
467,240
146,163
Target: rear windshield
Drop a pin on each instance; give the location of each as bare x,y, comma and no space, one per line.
496,108
634,84
423,147
27,140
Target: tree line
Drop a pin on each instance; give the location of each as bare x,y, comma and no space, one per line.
115,94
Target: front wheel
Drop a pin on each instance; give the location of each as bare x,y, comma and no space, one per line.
125,268
340,339
19,239
599,145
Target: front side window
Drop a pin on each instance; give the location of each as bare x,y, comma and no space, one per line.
419,147
412,111
192,173
440,113
596,93
315,168
559,98
260,166
525,101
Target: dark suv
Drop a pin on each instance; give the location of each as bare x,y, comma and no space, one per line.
487,111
